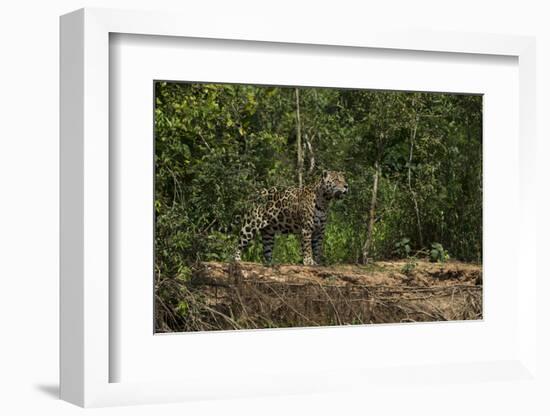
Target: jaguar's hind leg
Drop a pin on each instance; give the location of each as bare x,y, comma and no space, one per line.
245,236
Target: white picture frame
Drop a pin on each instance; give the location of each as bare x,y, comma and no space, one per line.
85,352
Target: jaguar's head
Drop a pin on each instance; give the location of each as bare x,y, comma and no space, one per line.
334,184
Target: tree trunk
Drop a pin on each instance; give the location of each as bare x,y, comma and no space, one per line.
411,190
372,213
300,154
309,147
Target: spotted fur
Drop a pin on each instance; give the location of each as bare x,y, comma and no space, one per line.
300,211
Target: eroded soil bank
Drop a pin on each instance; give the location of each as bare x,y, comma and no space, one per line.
250,295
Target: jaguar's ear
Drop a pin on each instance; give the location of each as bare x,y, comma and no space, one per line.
325,173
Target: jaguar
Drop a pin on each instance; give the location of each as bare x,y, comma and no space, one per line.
294,210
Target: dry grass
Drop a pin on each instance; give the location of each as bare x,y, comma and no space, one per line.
223,296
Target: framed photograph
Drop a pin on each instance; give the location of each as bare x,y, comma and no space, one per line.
356,198
291,212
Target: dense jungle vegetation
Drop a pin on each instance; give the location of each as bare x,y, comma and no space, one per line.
413,162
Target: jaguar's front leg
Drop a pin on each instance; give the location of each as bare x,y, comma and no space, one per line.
306,247
317,244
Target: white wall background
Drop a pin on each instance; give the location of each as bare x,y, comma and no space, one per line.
29,183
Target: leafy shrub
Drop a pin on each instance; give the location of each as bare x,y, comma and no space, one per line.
403,248
411,264
438,253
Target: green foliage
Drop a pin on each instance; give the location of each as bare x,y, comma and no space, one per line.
182,309
217,145
287,249
410,265
438,253
342,243
403,247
